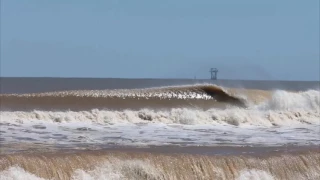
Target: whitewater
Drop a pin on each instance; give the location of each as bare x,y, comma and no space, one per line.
270,118
77,127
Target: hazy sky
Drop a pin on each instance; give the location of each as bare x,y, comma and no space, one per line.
247,39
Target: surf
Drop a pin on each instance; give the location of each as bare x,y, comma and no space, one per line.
200,96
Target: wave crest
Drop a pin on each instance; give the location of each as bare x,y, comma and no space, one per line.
202,96
234,116
282,108
91,165
283,100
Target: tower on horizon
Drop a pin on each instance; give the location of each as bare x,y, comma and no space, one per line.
214,73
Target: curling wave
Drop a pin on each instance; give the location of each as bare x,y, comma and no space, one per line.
201,96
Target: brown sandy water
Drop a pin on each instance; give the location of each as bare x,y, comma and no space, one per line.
34,111
136,164
200,96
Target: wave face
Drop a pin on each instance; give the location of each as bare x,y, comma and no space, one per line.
201,96
139,166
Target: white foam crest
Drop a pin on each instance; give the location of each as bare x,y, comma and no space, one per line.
283,100
116,169
106,171
119,169
254,174
177,92
17,173
110,170
282,110
233,116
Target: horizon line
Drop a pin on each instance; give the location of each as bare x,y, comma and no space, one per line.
143,78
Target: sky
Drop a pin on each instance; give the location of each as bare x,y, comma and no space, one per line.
247,39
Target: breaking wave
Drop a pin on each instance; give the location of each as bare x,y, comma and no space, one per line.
234,116
42,119
281,108
139,166
201,96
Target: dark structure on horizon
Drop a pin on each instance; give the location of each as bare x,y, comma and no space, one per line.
214,73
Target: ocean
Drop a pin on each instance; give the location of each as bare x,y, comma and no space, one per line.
108,128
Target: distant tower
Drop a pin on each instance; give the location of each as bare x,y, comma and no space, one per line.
214,73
